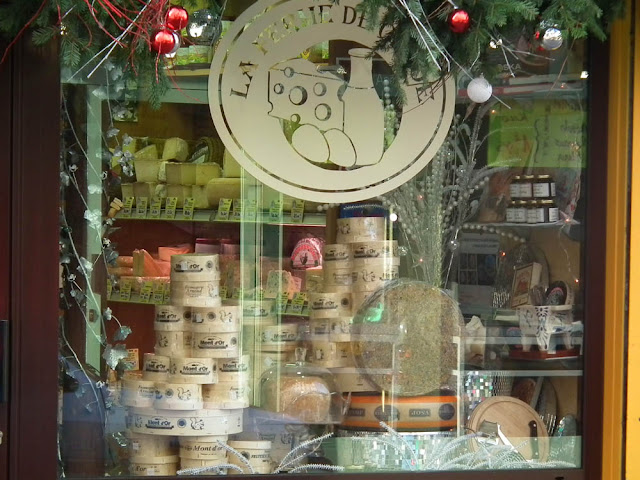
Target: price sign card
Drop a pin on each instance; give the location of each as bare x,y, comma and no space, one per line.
236,214
125,291
224,208
297,211
223,292
146,292
127,208
298,302
260,294
109,288
237,293
275,211
142,203
187,209
158,294
155,209
170,209
281,302
167,294
251,210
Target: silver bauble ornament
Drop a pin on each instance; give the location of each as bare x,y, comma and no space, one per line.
204,27
551,39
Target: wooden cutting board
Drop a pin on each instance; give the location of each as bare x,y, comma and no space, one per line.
513,416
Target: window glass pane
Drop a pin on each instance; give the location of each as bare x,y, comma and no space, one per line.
212,323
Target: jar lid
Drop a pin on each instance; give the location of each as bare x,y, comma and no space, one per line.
529,177
543,177
251,444
547,202
517,177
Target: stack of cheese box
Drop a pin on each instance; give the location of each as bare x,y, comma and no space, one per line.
195,385
357,265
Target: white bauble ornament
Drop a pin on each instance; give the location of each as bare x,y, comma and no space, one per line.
479,90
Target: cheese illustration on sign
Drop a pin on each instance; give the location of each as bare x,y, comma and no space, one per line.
311,133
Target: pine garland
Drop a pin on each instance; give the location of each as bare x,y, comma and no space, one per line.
85,28
418,56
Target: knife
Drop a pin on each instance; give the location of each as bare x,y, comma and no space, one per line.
533,428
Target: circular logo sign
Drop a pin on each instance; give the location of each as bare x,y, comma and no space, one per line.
320,134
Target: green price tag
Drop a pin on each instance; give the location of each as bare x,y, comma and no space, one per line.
298,303
170,209
187,209
237,294
125,291
251,211
146,292
297,211
275,211
224,207
167,293
281,302
127,208
223,292
155,208
141,207
109,288
260,294
158,294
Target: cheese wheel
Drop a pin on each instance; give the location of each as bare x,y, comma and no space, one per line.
230,167
257,453
206,172
195,294
233,369
181,173
153,469
137,392
178,396
339,254
267,360
162,172
203,448
215,345
305,399
172,318
223,188
226,395
144,189
339,277
181,423
155,367
352,379
175,149
144,446
201,267
370,278
149,152
360,229
147,170
215,319
336,288
173,344
331,354
186,462
193,370
383,262
340,329
180,192
405,413
375,249
200,197
329,305
280,337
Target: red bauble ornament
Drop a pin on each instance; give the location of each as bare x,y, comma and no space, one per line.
459,21
177,18
163,41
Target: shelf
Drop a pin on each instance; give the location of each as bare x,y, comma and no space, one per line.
479,226
209,216
524,373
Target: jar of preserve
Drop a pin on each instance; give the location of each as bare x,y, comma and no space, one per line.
526,187
544,187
